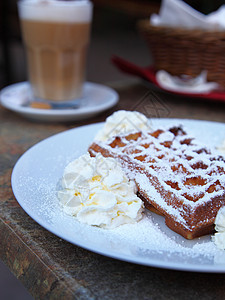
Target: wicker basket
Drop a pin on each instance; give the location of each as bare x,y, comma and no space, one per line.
186,51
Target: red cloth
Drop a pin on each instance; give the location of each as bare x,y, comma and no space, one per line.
149,75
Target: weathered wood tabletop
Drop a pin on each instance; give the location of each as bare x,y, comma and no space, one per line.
50,267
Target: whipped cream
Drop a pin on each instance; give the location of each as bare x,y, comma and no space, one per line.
123,122
219,236
97,192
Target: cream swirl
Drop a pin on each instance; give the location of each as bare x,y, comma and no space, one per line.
97,192
122,122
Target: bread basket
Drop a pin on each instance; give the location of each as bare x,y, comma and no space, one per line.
186,51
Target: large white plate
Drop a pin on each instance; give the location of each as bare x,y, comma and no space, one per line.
149,242
96,98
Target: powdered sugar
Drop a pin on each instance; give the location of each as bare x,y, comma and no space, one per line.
174,172
173,158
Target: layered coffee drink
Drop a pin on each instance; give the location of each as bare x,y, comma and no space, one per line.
56,35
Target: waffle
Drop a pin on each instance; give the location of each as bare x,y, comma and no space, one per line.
176,176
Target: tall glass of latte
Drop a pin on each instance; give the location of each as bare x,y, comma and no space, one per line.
56,35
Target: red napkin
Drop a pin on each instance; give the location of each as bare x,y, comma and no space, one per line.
149,75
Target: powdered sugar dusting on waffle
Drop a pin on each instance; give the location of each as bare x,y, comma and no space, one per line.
179,176
183,166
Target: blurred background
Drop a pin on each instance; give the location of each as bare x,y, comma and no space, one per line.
114,32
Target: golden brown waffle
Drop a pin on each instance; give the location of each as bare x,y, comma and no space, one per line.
175,175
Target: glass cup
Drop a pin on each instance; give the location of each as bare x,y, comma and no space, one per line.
56,35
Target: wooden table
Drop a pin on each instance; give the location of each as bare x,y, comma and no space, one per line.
51,268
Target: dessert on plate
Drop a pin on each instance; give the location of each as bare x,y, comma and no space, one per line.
175,175
96,190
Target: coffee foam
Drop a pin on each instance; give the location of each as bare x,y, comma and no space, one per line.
56,11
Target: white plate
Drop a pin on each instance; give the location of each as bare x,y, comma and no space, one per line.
149,242
96,99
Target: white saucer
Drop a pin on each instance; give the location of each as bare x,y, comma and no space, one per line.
97,98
